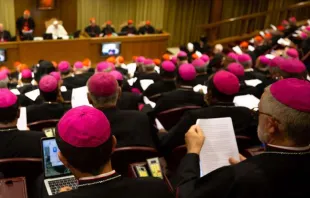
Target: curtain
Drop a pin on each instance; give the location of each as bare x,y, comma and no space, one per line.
182,19
7,16
119,11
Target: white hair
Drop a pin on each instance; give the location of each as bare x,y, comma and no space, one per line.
4,83
190,47
218,47
101,101
295,124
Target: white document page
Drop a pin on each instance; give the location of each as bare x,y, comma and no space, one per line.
22,120
251,48
63,89
159,126
248,101
237,49
220,144
253,82
131,68
79,97
147,101
15,91
157,69
146,83
273,27
33,94
200,87
270,56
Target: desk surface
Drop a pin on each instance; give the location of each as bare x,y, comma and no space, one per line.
29,52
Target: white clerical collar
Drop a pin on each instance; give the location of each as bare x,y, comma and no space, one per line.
305,148
98,176
248,70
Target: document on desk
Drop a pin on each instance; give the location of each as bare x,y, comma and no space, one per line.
220,144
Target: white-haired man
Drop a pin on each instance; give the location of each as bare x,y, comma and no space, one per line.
4,80
281,171
57,30
218,49
4,34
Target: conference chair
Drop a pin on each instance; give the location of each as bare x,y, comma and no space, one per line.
30,168
51,21
155,97
174,158
244,143
171,117
43,124
122,157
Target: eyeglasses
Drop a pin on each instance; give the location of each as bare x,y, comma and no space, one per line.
256,113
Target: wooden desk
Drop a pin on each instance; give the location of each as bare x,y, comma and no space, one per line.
29,52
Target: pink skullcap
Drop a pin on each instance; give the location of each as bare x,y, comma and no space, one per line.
64,66
187,72
56,75
303,35
292,66
117,75
7,98
226,82
102,84
3,75
292,52
140,59
136,91
182,54
293,93
236,69
84,126
174,59
205,58
5,70
104,67
244,58
264,60
78,65
168,66
26,73
233,55
198,63
292,19
48,84
148,62
276,61
308,28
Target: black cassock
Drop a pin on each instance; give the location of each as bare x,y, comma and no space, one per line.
93,31
129,30
160,87
108,30
22,23
146,30
275,173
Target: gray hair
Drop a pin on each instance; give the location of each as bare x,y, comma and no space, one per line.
4,83
295,124
101,101
201,69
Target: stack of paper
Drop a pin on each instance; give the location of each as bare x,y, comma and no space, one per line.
220,144
33,94
146,83
248,101
79,97
22,120
253,82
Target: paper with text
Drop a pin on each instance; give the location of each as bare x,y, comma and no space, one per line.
252,82
22,120
248,101
33,94
220,144
146,83
79,97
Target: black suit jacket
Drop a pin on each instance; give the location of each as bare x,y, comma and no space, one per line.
250,75
129,101
178,98
6,35
45,111
120,187
244,123
93,31
76,81
16,143
108,30
143,76
147,30
129,30
20,24
202,79
131,128
160,87
27,88
266,175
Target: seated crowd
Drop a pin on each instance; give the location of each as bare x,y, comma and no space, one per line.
122,108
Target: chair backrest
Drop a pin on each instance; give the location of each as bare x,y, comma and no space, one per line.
51,21
40,125
175,157
244,142
30,168
122,157
155,97
170,117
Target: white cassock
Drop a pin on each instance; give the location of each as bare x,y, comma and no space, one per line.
57,32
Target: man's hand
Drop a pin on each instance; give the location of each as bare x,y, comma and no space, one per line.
233,161
194,139
65,189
